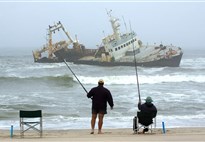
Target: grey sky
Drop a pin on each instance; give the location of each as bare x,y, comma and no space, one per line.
23,24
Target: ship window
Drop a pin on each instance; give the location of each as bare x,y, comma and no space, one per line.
127,44
115,49
124,45
111,50
119,47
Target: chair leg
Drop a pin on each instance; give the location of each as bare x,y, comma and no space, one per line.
21,128
138,128
41,127
135,124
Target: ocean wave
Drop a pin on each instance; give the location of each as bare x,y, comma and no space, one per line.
62,123
40,78
46,66
193,62
143,79
188,70
122,79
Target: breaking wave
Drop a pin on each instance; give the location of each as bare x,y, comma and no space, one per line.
123,79
143,79
49,78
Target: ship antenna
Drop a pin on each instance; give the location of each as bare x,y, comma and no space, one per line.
103,33
75,75
138,87
124,23
109,12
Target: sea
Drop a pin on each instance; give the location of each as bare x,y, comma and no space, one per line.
177,92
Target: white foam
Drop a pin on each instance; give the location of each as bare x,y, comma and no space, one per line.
63,123
195,62
149,79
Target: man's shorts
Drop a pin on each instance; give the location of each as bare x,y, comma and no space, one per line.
101,111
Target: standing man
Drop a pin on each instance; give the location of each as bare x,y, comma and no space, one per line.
100,96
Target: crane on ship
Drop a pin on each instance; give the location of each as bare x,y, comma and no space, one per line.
51,47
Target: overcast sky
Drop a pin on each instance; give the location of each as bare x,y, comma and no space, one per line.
23,24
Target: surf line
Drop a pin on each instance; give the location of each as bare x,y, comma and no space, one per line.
75,75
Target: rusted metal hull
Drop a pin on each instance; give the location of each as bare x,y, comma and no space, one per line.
171,62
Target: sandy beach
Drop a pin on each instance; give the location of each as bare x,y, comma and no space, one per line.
110,135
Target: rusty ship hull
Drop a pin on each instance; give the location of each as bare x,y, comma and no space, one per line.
173,62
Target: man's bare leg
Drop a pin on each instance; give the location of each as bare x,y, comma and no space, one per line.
100,123
94,116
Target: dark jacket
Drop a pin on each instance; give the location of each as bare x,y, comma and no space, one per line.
148,111
100,96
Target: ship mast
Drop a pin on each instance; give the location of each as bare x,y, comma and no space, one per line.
115,26
51,30
50,45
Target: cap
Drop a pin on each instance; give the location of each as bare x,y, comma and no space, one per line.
100,81
148,100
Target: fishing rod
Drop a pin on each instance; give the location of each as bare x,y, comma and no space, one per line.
75,76
138,87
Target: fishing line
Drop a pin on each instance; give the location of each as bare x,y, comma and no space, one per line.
138,87
75,76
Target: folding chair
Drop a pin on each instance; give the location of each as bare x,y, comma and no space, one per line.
145,121
32,120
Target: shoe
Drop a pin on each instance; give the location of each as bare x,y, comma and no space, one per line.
145,130
91,132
